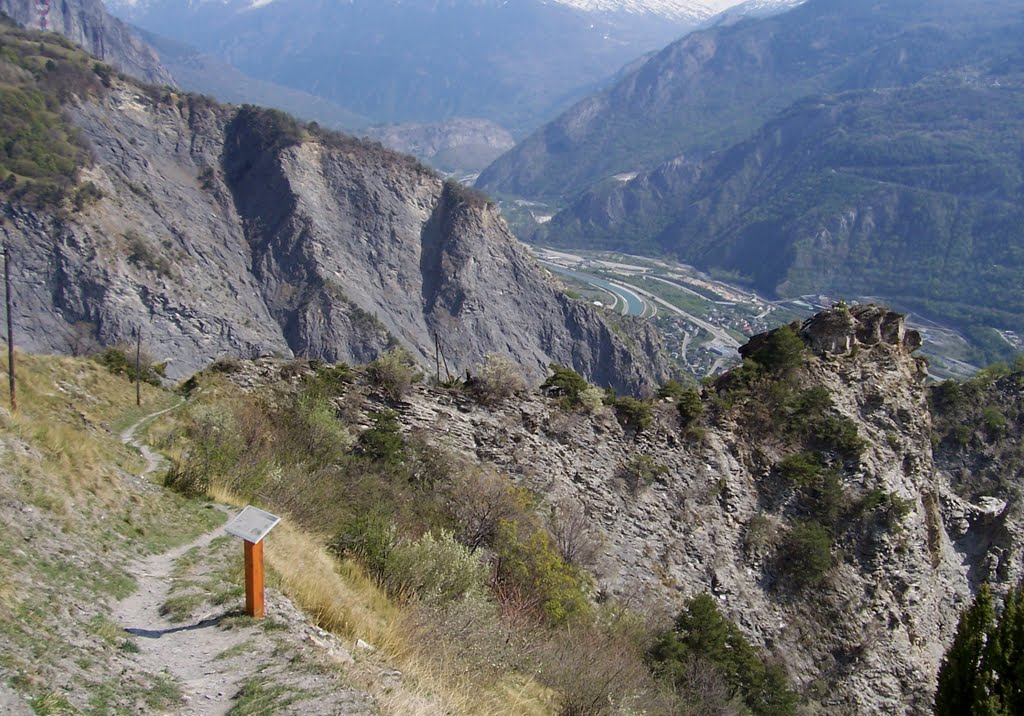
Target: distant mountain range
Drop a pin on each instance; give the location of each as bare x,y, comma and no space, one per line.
717,86
513,63
839,148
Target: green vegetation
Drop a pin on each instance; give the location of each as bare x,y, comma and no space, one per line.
633,414
806,555
982,416
701,634
40,152
983,670
116,359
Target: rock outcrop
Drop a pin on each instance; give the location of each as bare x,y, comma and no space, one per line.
87,23
716,515
237,232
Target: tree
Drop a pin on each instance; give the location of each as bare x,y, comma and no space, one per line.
983,670
701,632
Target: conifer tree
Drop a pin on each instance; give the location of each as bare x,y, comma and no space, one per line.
982,674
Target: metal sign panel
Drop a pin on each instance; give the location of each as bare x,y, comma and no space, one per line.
252,524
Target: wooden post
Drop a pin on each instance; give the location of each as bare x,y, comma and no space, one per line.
10,328
437,357
138,362
254,579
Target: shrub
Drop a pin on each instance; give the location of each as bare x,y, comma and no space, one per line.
436,570
566,384
781,350
383,440
369,538
806,554
690,407
702,634
529,565
884,506
799,469
569,526
640,472
592,399
394,372
116,359
478,502
633,413
499,378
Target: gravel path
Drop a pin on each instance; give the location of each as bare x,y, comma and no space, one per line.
212,665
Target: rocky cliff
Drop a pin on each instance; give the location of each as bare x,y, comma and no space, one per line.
87,23
718,505
219,231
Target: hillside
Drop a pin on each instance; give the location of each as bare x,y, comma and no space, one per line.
717,86
802,491
909,194
223,231
87,23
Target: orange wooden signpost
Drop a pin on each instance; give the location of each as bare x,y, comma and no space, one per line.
252,525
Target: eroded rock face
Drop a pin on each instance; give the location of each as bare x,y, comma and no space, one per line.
87,23
871,638
221,234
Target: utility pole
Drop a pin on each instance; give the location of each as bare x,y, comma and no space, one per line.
10,327
138,363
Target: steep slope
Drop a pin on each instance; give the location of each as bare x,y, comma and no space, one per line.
716,86
220,231
909,194
86,23
803,495
419,61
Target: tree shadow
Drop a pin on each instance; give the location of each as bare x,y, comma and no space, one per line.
201,624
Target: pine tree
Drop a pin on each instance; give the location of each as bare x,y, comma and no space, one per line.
982,674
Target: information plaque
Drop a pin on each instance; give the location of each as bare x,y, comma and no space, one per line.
252,524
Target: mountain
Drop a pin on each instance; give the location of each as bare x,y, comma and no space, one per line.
424,61
717,86
86,22
456,146
914,194
207,74
221,231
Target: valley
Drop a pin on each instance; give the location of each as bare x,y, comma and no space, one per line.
703,320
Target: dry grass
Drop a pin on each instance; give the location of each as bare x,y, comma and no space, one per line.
340,597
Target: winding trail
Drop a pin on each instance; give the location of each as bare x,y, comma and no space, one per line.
185,652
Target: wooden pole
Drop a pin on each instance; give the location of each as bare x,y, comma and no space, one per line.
138,363
254,579
437,358
10,328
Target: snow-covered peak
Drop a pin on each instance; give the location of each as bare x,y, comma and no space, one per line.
688,9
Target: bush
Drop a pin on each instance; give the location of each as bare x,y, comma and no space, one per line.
799,469
633,414
641,471
886,507
436,570
690,407
529,566
370,539
566,384
479,501
383,440
499,378
806,554
394,372
781,350
116,359
702,634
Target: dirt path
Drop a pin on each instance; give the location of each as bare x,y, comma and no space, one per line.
216,656
129,436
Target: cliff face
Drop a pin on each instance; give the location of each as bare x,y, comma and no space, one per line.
236,232
719,515
86,23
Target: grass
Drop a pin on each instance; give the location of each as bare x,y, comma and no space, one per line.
74,519
259,697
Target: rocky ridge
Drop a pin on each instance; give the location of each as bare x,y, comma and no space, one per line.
87,23
713,517
221,231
